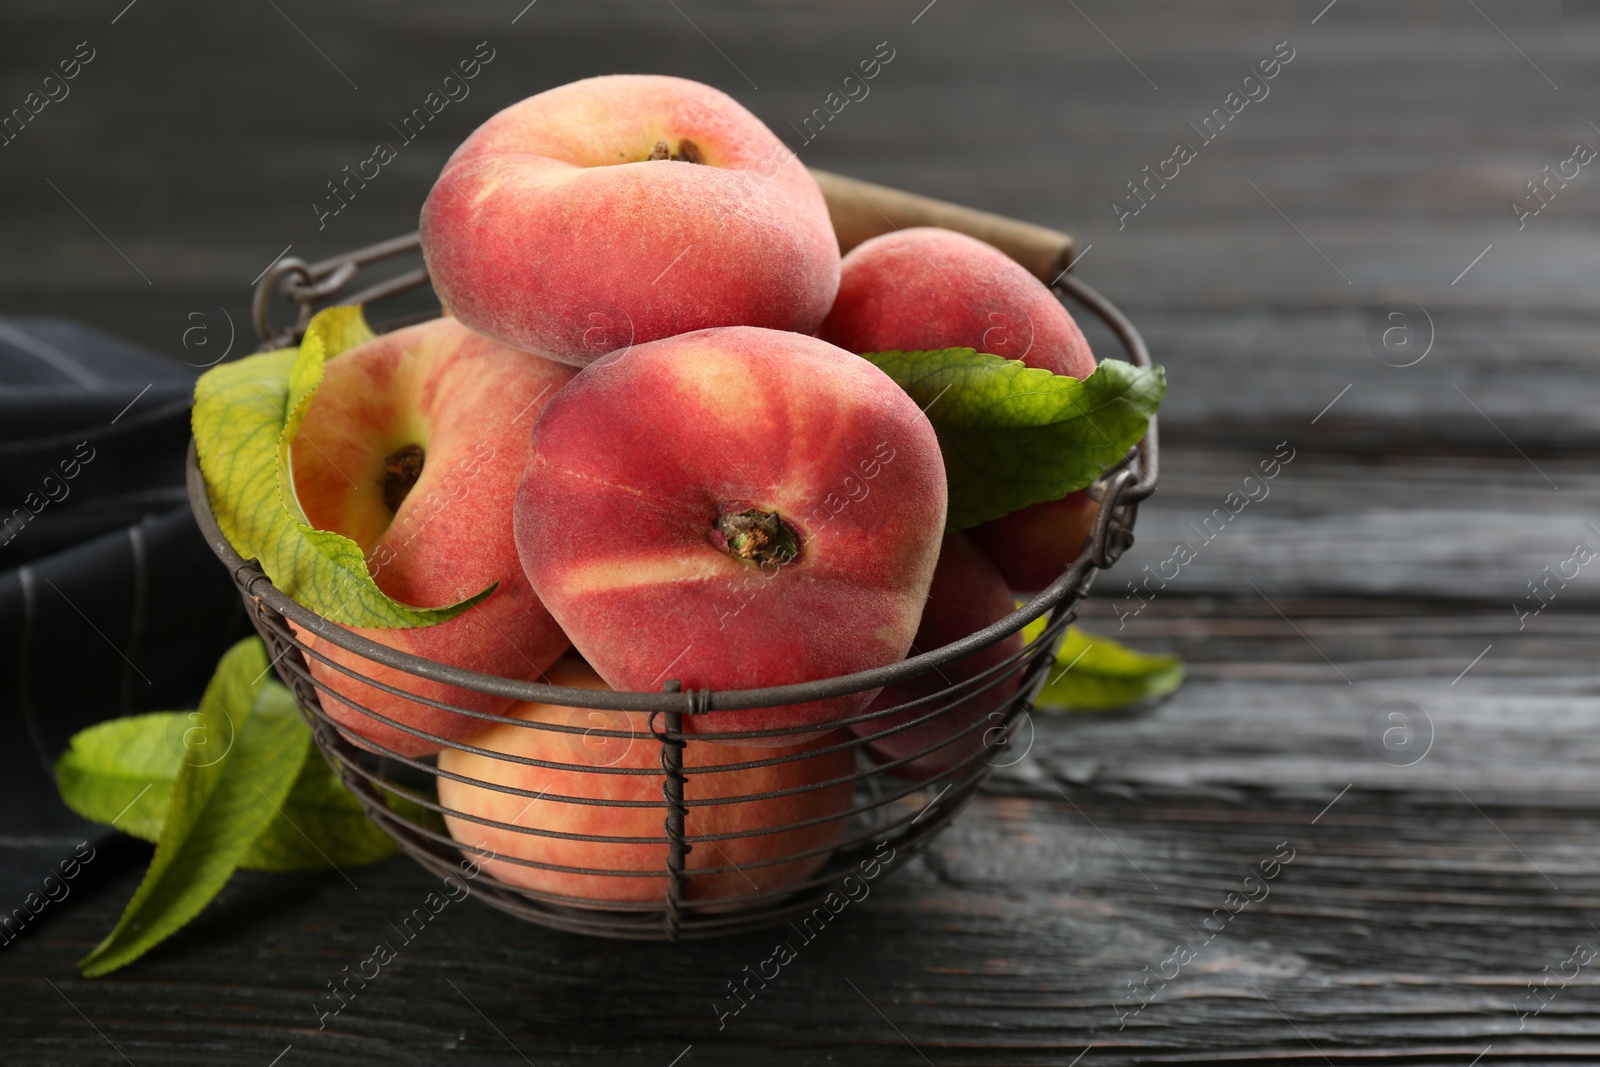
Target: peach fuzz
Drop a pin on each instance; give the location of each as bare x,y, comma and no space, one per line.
587,759
412,448
552,228
926,287
734,508
967,594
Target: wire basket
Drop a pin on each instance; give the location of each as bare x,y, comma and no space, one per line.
897,801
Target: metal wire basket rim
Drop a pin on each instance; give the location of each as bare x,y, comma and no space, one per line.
1009,708
797,755
262,588
955,693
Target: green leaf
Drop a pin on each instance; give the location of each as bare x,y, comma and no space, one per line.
1013,435
323,823
120,773
1098,674
246,413
221,801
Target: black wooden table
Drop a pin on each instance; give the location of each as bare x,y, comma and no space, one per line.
1434,878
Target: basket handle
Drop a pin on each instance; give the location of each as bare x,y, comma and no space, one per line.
862,210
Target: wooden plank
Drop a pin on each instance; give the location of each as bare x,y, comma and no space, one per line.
1533,377
1502,741
1446,525
1247,639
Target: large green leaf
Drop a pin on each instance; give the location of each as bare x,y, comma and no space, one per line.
219,806
121,773
246,414
1013,435
323,823
1098,674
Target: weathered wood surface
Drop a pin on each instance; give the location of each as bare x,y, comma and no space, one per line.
1418,906
1453,526
1405,921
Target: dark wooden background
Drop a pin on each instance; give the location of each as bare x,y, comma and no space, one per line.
1420,905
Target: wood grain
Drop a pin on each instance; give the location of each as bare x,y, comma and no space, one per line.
1460,524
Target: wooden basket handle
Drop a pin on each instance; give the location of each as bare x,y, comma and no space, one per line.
862,210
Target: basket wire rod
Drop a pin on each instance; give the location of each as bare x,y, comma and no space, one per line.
290,665
400,283
942,810
670,735
1133,343
361,257
316,281
956,693
424,801
299,676
303,681
926,821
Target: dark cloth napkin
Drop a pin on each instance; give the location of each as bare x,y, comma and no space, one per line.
110,602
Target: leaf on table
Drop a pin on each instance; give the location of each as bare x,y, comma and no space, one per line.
120,773
1013,435
246,413
220,803
1098,674
323,824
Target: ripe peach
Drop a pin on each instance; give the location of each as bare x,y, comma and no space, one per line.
412,448
623,209
734,508
589,757
926,288
967,594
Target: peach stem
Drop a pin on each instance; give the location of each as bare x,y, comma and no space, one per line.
401,469
753,534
